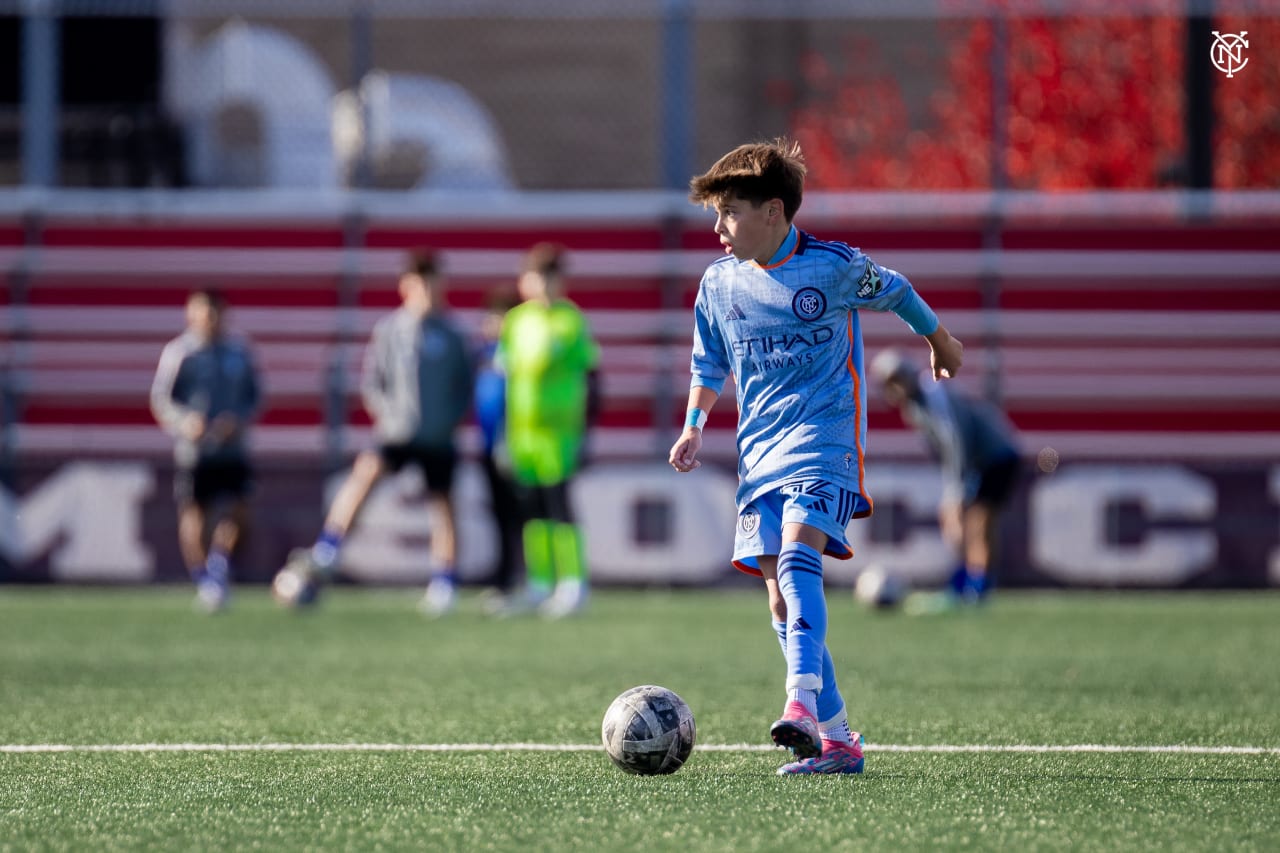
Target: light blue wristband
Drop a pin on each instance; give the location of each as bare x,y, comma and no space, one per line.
696,418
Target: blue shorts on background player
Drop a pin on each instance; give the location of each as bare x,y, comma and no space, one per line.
779,312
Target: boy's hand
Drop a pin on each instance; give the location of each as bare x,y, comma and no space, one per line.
192,426
947,353
684,451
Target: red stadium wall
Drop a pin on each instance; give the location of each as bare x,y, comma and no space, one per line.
1142,347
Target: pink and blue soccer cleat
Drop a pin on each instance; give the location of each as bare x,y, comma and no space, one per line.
836,758
798,732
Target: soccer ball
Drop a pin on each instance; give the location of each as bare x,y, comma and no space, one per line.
879,587
295,585
648,730
289,588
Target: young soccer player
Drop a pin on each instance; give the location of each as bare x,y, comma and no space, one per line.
549,358
780,313
977,449
417,385
205,394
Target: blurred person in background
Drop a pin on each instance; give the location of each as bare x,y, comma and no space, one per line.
491,407
205,394
779,312
417,384
977,449
550,361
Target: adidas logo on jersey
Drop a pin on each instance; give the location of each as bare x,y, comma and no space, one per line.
734,313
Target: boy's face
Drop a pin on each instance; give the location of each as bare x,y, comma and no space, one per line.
204,317
749,231
535,286
416,292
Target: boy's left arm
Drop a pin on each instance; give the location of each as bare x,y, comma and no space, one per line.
882,289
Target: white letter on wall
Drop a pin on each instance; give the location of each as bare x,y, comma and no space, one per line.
1069,525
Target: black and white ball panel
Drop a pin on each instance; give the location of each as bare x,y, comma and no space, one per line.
648,730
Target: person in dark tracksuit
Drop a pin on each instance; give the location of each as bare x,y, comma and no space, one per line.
205,394
504,496
417,386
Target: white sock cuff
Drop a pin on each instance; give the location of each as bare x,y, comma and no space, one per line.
807,681
838,720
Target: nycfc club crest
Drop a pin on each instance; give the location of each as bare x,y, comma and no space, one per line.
1227,52
808,303
749,521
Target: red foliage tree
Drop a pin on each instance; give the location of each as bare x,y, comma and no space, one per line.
1092,103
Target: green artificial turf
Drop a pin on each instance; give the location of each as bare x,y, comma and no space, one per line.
119,667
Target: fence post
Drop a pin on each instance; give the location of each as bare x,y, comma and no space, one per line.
354,229
993,222
677,93
1198,79
40,62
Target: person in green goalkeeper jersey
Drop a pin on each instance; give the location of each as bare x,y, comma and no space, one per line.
550,361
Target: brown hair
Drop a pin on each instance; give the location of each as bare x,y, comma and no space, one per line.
215,298
756,172
545,259
423,262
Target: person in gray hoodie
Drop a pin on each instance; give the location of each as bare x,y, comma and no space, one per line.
417,386
205,394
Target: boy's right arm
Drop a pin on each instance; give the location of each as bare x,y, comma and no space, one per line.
684,452
710,369
176,419
372,379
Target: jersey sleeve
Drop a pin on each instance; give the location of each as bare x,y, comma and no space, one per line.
586,352
251,402
373,374
709,365
868,285
167,397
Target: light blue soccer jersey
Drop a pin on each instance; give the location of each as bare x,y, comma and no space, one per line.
788,332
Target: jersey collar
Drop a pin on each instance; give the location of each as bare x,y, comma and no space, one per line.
785,251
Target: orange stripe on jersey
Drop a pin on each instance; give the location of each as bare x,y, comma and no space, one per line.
857,417
789,256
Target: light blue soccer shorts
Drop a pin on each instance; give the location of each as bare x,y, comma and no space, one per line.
817,503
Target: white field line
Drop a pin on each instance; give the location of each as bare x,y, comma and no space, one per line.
558,747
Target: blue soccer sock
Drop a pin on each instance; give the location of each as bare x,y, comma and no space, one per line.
217,567
325,552
800,582
977,583
830,704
